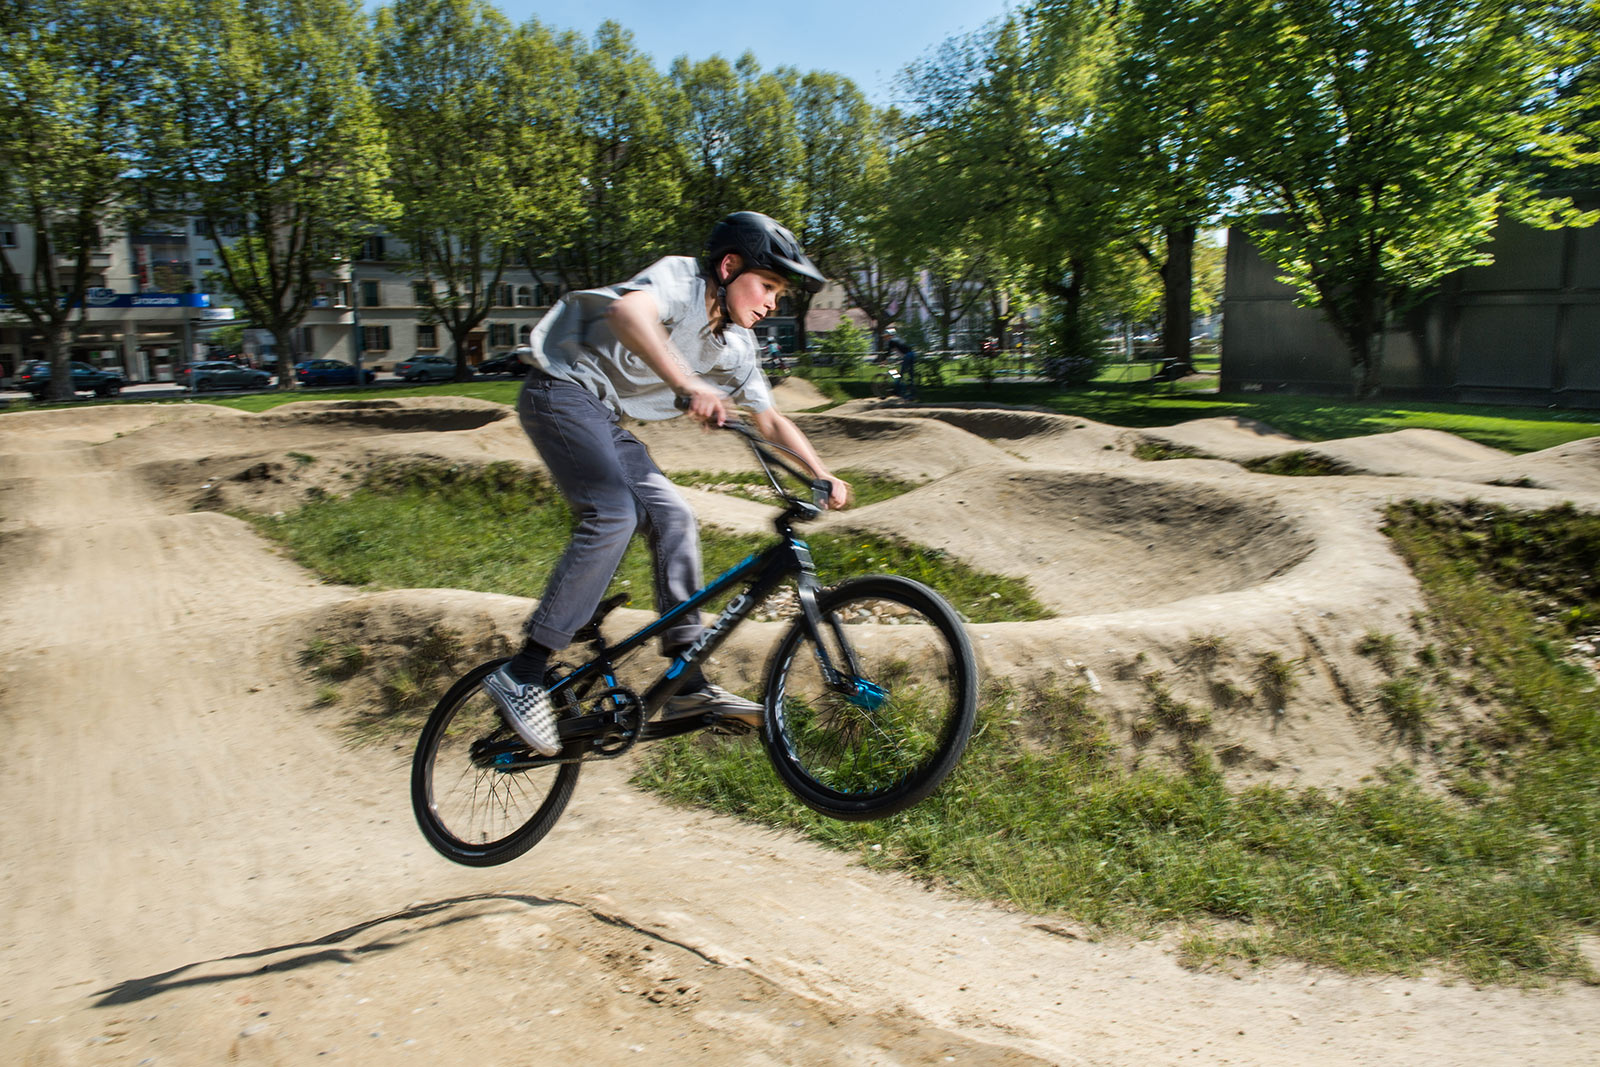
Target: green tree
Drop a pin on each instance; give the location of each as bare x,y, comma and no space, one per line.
1159,147
631,167
741,142
997,154
479,122
847,344
841,170
1382,140
275,138
74,79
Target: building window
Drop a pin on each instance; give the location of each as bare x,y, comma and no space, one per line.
505,296
372,248
370,295
374,338
524,334
422,292
500,335
427,337
524,296
545,295
8,237
204,261
202,228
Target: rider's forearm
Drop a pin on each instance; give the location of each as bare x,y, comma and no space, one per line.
781,430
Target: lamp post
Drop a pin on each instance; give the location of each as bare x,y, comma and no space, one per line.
355,328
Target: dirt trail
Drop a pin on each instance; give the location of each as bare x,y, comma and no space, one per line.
196,870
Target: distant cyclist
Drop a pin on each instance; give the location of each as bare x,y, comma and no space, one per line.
679,330
907,357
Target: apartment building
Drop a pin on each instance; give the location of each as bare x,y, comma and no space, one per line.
155,294
375,298
146,305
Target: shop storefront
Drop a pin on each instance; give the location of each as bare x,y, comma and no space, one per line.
143,336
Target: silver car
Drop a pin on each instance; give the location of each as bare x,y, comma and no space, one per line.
221,374
427,369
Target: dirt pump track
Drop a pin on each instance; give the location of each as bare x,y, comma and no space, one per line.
199,869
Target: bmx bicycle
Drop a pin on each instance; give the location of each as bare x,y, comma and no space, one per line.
869,700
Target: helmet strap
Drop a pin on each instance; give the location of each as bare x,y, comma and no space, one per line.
722,296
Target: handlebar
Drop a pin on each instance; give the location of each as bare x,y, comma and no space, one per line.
821,488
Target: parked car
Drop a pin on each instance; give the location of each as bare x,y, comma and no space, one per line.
329,372
506,364
222,374
35,378
427,369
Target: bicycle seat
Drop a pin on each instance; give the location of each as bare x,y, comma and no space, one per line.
590,630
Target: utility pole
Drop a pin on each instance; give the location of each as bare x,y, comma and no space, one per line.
355,327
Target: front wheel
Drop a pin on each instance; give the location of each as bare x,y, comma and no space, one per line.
897,715
480,796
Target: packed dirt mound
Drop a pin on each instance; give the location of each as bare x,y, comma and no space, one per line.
1023,433
411,414
797,394
1227,437
1572,467
1416,453
34,431
909,449
1093,543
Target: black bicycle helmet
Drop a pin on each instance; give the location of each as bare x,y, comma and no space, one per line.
763,245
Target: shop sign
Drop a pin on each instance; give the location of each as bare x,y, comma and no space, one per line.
110,298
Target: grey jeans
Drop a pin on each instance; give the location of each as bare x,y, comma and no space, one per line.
614,488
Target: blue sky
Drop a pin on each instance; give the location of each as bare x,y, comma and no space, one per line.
867,40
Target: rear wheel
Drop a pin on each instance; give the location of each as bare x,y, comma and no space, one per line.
890,734
480,795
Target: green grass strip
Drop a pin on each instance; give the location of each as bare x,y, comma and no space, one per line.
500,529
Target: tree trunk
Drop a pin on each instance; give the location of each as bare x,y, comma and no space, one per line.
1178,284
58,343
283,335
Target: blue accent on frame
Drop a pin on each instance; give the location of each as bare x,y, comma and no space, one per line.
717,585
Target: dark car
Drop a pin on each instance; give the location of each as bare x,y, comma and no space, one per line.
35,378
506,364
328,372
427,369
222,374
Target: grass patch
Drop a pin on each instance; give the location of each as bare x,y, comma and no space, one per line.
408,684
499,529
1299,464
1494,882
868,488
1155,451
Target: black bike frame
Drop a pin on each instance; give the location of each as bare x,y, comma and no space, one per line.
761,573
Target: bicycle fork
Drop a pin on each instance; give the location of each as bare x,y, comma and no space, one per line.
848,683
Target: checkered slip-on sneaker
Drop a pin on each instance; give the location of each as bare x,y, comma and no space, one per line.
526,709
